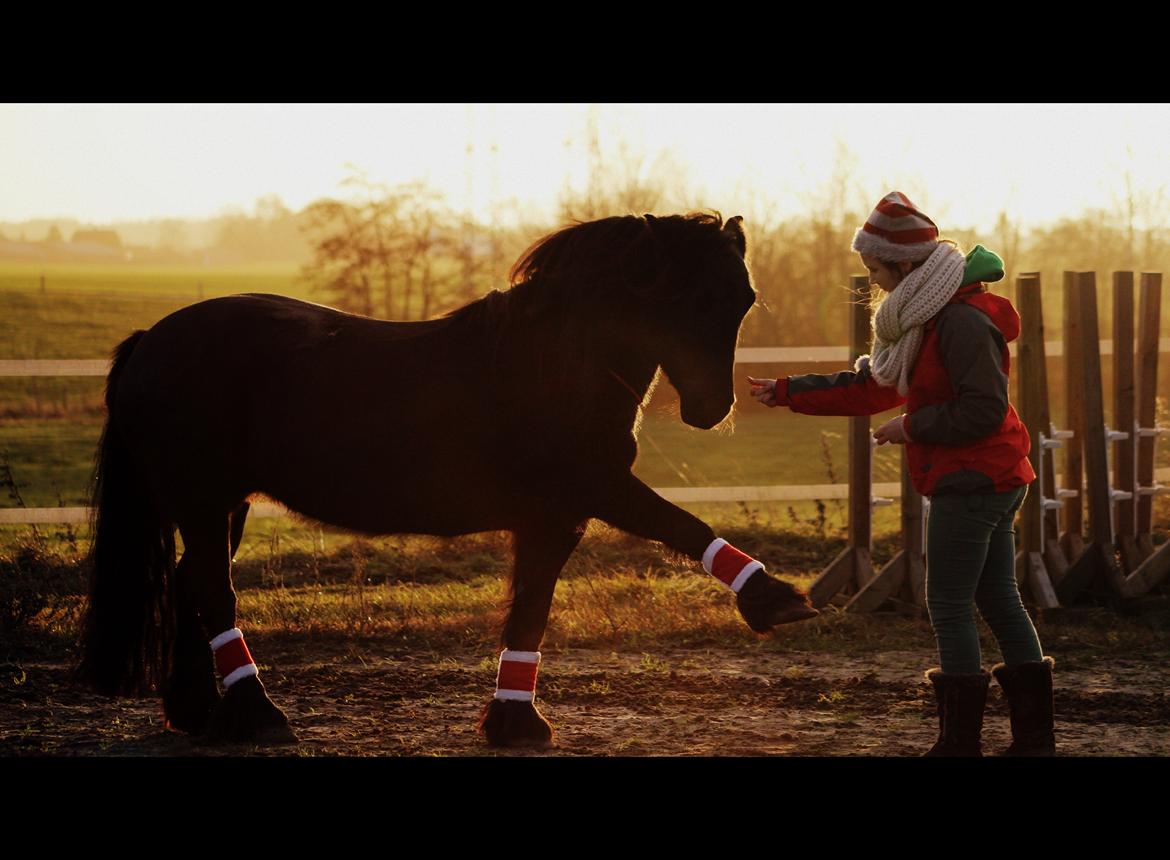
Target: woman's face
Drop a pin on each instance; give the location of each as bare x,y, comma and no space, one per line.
883,277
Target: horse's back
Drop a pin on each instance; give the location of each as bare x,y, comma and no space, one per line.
313,406
266,337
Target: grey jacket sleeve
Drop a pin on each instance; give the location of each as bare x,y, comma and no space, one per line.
971,348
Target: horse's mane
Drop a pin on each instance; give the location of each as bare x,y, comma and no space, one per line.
588,262
581,255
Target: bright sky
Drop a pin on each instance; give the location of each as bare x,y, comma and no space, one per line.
960,163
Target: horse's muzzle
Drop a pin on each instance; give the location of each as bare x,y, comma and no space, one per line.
705,417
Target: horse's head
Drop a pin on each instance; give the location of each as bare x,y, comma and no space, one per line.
691,272
633,293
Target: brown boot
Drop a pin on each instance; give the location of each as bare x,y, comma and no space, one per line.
961,699
1028,688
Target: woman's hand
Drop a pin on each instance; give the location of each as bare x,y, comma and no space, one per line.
764,390
892,431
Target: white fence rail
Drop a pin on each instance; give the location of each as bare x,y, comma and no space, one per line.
790,493
744,355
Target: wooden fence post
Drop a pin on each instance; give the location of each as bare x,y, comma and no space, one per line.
1074,508
1125,531
853,566
1097,561
1154,566
1054,558
913,537
1149,319
1030,565
905,573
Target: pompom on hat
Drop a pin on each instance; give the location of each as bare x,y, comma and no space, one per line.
896,231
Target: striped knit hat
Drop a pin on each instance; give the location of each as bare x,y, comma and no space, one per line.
896,231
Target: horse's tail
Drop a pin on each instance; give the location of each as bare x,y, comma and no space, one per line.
128,623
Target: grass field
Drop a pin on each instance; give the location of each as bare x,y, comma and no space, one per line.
85,311
178,282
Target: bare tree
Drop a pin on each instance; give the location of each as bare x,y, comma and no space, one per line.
626,182
1007,244
342,265
401,242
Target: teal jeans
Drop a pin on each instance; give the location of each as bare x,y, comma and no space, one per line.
971,562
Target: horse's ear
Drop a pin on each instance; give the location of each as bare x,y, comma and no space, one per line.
650,219
733,229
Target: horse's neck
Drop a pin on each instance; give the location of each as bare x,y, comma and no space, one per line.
568,375
636,374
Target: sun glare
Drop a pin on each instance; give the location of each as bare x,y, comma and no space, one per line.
100,163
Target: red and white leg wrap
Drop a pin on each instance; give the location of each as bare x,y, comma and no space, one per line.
516,680
232,659
730,566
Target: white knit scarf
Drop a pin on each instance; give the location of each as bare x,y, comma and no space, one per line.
897,325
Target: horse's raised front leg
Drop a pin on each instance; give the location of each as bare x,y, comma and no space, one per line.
763,601
511,718
245,713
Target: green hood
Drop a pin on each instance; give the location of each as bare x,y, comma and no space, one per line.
982,265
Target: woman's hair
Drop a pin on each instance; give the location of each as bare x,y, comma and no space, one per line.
876,297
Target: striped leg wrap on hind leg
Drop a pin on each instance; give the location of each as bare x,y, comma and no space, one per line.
233,662
516,679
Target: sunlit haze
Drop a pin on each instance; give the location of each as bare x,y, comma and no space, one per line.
963,163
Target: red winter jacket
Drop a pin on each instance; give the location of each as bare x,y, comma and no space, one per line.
964,435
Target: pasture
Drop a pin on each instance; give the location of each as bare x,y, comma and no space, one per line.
387,646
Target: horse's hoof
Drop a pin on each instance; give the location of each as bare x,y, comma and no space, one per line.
188,716
247,715
189,703
277,734
765,602
515,724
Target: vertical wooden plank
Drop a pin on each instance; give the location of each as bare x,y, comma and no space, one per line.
916,577
1093,413
913,538
913,532
860,447
1033,394
1149,320
1123,417
1073,513
1030,356
1051,521
853,567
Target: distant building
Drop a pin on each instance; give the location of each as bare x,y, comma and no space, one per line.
108,238
95,246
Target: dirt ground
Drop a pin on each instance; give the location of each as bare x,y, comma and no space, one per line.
380,701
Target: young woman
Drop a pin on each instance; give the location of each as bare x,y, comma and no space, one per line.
940,347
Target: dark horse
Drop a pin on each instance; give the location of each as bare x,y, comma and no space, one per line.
516,412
